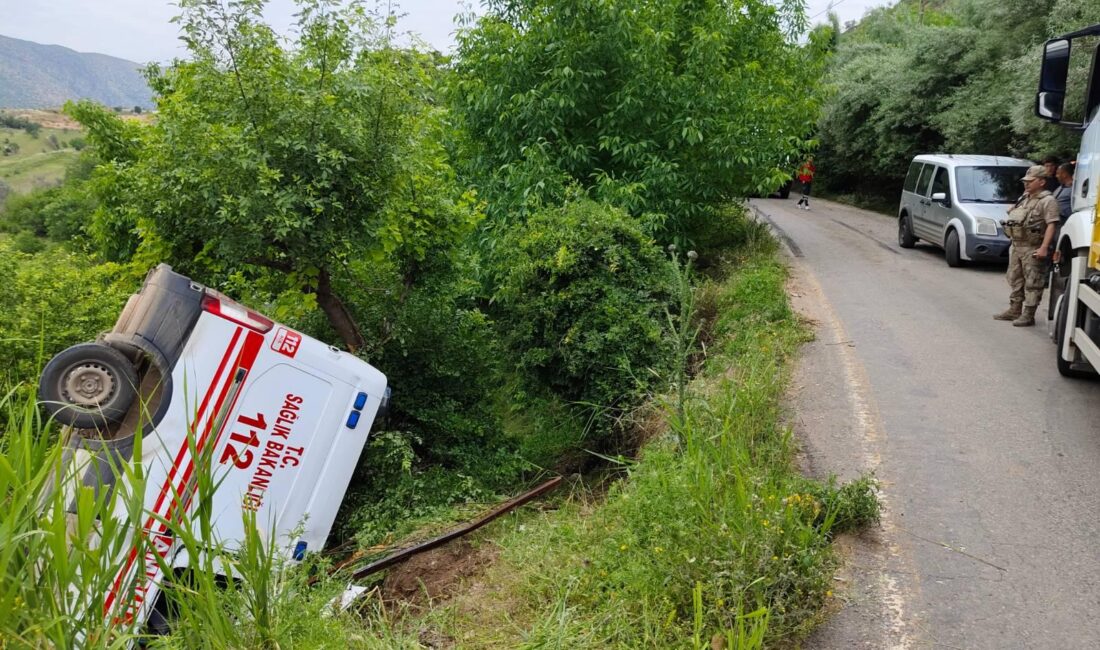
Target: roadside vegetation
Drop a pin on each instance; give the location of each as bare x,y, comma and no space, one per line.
948,76
507,238
710,535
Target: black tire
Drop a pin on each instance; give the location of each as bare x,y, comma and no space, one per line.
1057,288
88,386
1065,368
906,238
951,249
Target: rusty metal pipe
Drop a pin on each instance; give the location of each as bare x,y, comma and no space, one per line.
469,527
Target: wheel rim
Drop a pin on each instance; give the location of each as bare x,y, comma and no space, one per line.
88,384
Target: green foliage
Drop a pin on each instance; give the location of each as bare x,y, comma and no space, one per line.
960,79
58,213
666,109
852,505
53,299
296,161
712,531
580,304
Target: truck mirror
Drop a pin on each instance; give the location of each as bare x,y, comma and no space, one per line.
939,197
1050,99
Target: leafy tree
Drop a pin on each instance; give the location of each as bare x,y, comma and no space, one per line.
666,109
958,78
286,162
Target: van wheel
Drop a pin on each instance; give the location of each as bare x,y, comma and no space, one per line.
906,238
951,250
88,386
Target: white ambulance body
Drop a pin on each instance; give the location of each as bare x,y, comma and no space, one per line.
281,417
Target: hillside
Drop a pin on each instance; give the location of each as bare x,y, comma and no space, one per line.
33,75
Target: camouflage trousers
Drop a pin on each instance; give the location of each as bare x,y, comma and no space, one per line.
1026,275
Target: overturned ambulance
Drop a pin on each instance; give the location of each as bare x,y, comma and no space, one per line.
277,418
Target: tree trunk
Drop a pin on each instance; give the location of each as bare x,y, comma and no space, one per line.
337,314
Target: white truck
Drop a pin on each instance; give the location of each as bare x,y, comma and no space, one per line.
1071,74
278,417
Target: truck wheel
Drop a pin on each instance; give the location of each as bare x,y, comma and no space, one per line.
906,239
1057,289
88,386
1065,368
951,249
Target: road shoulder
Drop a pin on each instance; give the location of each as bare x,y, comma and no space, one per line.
832,415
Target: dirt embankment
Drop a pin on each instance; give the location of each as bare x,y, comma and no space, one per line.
54,119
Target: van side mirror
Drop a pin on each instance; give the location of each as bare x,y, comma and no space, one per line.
939,197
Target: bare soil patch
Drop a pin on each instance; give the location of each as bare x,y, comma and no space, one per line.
438,574
49,119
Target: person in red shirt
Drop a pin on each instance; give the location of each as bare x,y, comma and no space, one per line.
806,177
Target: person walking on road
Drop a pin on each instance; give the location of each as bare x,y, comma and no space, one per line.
806,178
1030,225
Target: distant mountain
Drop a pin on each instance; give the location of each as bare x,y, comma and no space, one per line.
33,75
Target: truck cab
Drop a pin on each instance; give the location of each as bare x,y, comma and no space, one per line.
1069,95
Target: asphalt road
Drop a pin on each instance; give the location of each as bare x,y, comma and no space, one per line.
989,460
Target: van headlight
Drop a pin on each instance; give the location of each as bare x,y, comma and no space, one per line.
986,226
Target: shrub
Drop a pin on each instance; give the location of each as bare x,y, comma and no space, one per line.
52,300
580,303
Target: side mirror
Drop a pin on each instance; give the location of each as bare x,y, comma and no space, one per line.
939,197
1051,97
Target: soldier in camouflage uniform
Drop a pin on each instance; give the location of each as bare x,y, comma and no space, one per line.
1030,225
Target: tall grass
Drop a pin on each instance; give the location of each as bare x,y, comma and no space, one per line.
713,538
61,544
57,539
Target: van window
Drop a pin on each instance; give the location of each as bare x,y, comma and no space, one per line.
990,184
911,177
922,180
941,183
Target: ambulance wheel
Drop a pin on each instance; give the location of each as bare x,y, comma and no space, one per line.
88,386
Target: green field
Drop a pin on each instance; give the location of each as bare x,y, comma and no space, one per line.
37,163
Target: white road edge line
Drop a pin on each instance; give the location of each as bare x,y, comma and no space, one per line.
868,427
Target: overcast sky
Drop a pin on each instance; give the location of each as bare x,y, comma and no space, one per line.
139,30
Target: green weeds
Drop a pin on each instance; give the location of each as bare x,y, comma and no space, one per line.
62,544
712,534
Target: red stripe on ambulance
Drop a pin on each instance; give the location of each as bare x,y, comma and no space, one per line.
154,528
